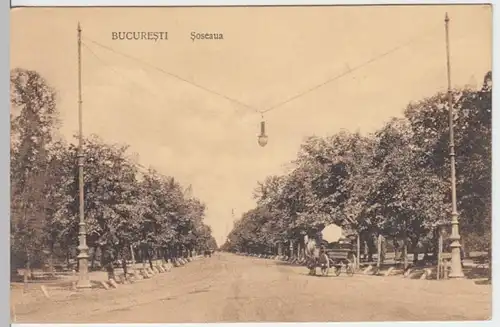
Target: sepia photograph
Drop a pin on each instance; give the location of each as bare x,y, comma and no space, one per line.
234,164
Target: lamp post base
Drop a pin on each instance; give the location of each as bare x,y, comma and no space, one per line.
456,276
456,272
83,270
456,261
83,284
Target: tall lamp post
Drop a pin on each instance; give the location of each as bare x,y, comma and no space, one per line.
83,255
456,264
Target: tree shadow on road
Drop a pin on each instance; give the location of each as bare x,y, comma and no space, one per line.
476,273
319,275
483,282
280,263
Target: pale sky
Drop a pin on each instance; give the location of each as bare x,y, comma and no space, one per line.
268,55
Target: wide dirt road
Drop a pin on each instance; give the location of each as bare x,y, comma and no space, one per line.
230,288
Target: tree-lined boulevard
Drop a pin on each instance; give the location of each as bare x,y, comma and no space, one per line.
126,206
391,183
394,183
231,288
97,237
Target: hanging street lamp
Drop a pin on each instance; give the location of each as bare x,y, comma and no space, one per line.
262,138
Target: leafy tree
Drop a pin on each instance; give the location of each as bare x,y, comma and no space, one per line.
410,199
472,121
123,209
394,182
33,120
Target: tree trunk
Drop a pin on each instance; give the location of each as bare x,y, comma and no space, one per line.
51,258
405,246
148,253
383,248
132,256
143,258
371,246
14,266
489,261
405,253
27,271
124,266
395,244
414,242
436,240
111,270
358,251
92,262
107,259
439,256
379,251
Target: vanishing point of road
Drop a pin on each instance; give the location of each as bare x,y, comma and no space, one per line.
231,288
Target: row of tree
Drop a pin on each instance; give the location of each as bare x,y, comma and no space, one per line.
394,182
126,208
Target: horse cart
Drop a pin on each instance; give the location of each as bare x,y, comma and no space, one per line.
338,260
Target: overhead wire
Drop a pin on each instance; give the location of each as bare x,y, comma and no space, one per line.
124,76
206,89
141,169
107,65
280,104
349,71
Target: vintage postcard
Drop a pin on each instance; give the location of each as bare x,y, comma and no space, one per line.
251,164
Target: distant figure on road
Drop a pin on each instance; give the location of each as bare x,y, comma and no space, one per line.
322,257
323,260
312,255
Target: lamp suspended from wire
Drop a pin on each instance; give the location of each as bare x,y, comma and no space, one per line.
262,138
